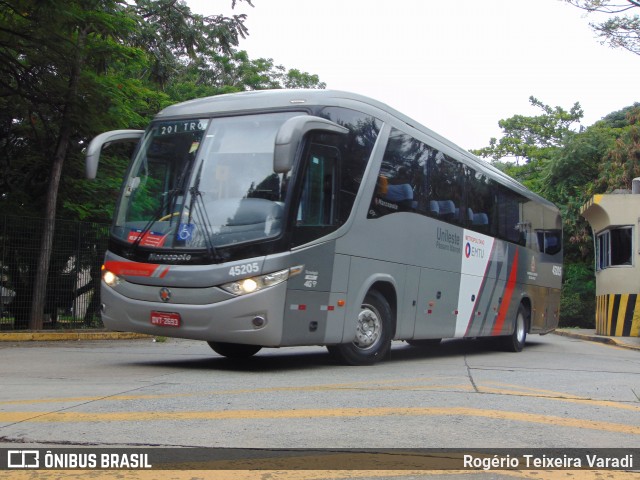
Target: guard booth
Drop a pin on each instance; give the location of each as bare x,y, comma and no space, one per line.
615,221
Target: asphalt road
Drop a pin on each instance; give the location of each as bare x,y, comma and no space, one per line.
560,392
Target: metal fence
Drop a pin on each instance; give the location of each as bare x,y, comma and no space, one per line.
72,297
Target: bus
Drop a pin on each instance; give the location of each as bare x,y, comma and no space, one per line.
317,217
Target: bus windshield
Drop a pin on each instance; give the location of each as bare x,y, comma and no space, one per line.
203,184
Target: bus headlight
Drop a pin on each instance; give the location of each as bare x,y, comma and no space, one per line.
253,284
110,278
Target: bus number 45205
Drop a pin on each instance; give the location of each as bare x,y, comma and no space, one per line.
246,269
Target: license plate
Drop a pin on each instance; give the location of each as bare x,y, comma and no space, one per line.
165,319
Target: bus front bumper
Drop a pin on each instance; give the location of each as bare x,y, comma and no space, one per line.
254,319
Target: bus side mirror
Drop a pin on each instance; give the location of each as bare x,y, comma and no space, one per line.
290,135
104,140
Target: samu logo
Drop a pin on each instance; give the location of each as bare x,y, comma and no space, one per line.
23,459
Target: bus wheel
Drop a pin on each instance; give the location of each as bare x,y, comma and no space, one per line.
234,350
373,333
515,342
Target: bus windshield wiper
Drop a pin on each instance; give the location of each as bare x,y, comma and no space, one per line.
197,208
170,199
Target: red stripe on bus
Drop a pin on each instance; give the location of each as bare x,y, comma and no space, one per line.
481,289
506,298
134,269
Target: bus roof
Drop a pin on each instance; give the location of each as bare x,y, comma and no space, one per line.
246,102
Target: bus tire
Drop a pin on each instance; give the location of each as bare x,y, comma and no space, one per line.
234,350
373,333
515,342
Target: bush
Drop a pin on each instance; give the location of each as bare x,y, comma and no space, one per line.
578,300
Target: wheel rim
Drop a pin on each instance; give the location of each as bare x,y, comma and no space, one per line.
520,329
369,327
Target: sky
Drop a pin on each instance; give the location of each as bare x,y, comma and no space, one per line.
457,67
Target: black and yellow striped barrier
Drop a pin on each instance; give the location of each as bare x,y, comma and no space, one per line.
618,315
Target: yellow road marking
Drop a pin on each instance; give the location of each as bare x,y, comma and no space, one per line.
232,392
508,389
581,400
540,391
302,388
66,416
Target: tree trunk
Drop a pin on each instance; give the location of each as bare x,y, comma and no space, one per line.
36,318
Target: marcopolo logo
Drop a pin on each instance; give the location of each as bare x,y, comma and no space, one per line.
169,257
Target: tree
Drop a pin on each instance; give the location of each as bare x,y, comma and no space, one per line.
72,68
622,162
529,138
46,70
567,168
172,35
617,31
532,141
214,74
569,179
602,158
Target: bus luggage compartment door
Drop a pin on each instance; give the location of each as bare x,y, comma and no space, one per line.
437,304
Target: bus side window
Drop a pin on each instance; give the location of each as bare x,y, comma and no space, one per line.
318,212
445,188
319,199
509,206
479,201
402,177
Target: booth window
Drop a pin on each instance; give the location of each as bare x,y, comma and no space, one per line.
614,247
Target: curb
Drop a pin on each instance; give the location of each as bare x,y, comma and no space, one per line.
46,336
615,341
70,335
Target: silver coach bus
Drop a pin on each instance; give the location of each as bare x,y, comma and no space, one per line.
294,217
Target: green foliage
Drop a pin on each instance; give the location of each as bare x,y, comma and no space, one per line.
234,72
95,200
577,303
532,138
125,61
568,168
70,69
569,181
65,77
622,161
619,119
